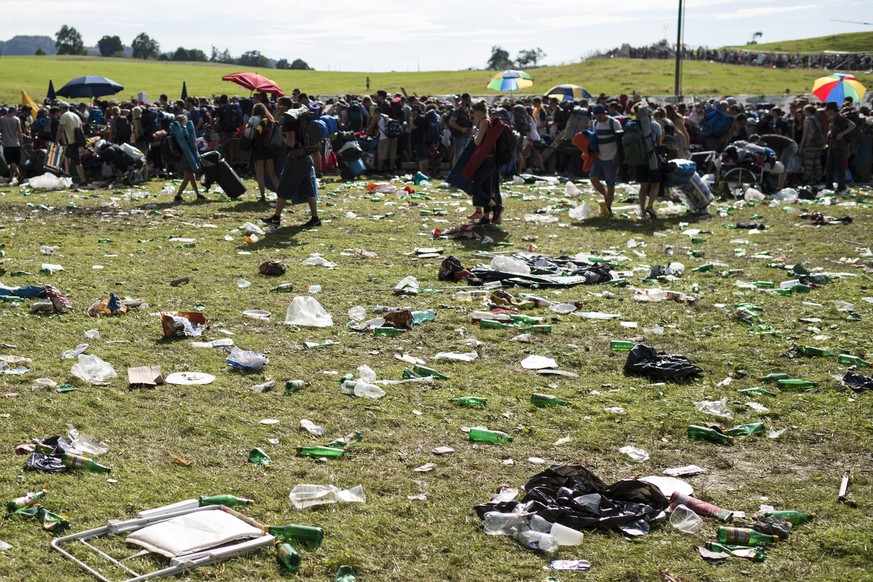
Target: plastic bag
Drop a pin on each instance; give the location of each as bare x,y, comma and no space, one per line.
407,286
92,369
505,264
50,182
305,310
247,359
582,211
645,360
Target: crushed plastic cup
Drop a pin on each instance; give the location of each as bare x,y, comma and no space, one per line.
407,286
74,353
570,189
316,260
85,443
714,407
357,313
307,495
635,454
366,373
566,536
583,211
685,520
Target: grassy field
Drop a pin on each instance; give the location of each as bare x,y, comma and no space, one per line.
421,525
615,76
851,42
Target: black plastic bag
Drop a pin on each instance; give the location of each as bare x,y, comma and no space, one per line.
857,382
47,463
645,360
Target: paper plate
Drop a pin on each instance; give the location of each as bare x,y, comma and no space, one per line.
186,378
668,485
257,314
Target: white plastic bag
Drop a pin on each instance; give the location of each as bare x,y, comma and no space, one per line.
50,182
583,211
305,310
509,265
92,369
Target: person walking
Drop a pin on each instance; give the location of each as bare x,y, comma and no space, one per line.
12,138
297,182
839,126
262,155
486,185
69,123
648,175
608,132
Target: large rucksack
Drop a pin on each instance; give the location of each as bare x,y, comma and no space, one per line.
150,122
716,121
633,144
355,113
434,128
122,129
392,128
231,118
504,147
309,134
854,136
522,120
170,150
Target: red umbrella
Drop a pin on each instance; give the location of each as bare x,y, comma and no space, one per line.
254,82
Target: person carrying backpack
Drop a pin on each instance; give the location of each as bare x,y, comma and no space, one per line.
486,187
644,158
608,132
839,127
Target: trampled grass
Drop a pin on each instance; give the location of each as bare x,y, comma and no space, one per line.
397,535
611,76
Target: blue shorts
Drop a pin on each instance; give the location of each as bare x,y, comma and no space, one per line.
297,182
603,169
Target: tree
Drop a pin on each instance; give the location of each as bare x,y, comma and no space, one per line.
144,47
39,52
300,65
755,38
283,64
499,59
110,45
197,55
181,54
253,59
529,58
68,41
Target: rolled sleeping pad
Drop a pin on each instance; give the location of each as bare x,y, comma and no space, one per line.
331,123
322,125
679,172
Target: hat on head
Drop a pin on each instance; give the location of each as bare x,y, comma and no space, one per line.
63,105
599,108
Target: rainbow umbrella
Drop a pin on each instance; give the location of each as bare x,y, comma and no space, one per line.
510,80
837,87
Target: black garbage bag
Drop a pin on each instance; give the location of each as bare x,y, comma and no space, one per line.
857,382
751,225
645,360
575,497
47,463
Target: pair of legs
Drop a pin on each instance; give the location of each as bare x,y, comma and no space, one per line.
836,167
188,177
12,155
262,168
297,180
650,184
386,153
487,195
605,170
71,158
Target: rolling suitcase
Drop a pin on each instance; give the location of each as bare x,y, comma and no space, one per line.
219,171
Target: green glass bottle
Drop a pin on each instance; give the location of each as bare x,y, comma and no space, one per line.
72,461
704,268
409,374
818,352
24,501
425,371
283,288
544,400
794,385
292,386
288,557
305,535
746,429
526,319
258,457
484,435
775,377
696,432
53,522
342,442
320,451
764,284
753,553
743,536
388,331
851,360
543,329
756,391
225,500
491,324
795,517
621,345
471,401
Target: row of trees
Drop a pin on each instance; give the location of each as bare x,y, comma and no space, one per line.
526,58
68,41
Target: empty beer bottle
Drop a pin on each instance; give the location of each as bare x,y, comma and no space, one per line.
775,377
794,385
320,451
352,437
295,385
706,268
257,456
471,401
492,324
621,345
752,553
795,517
53,522
225,500
819,352
388,331
283,288
709,434
764,284
743,536
543,400
543,329
484,435
756,391
746,429
72,461
851,360
425,371
288,556
303,534
525,319
701,507
24,501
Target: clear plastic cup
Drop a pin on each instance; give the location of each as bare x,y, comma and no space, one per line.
685,520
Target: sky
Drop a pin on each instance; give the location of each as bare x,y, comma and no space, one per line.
390,35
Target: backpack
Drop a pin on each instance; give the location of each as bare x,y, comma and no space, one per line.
854,136
392,127
434,128
716,121
356,116
309,134
230,118
504,147
122,129
395,110
170,150
633,144
522,121
150,122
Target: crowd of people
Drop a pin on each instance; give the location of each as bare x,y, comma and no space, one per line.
750,57
816,144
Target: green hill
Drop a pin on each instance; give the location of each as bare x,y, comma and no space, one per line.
611,76
851,42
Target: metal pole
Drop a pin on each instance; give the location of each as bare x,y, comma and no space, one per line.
678,85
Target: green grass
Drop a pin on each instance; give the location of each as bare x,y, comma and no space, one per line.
391,537
611,76
850,42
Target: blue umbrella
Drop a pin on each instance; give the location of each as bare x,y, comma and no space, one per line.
89,86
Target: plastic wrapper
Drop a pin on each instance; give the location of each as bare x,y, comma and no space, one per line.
187,323
307,311
644,360
93,369
247,359
574,497
857,382
111,305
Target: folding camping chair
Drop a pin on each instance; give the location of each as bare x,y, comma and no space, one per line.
190,538
55,158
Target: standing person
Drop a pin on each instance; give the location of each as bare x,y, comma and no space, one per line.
297,182
12,138
67,126
648,174
608,132
418,138
262,155
461,127
185,170
486,185
811,146
839,126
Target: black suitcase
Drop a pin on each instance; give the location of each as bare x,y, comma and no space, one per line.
218,170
